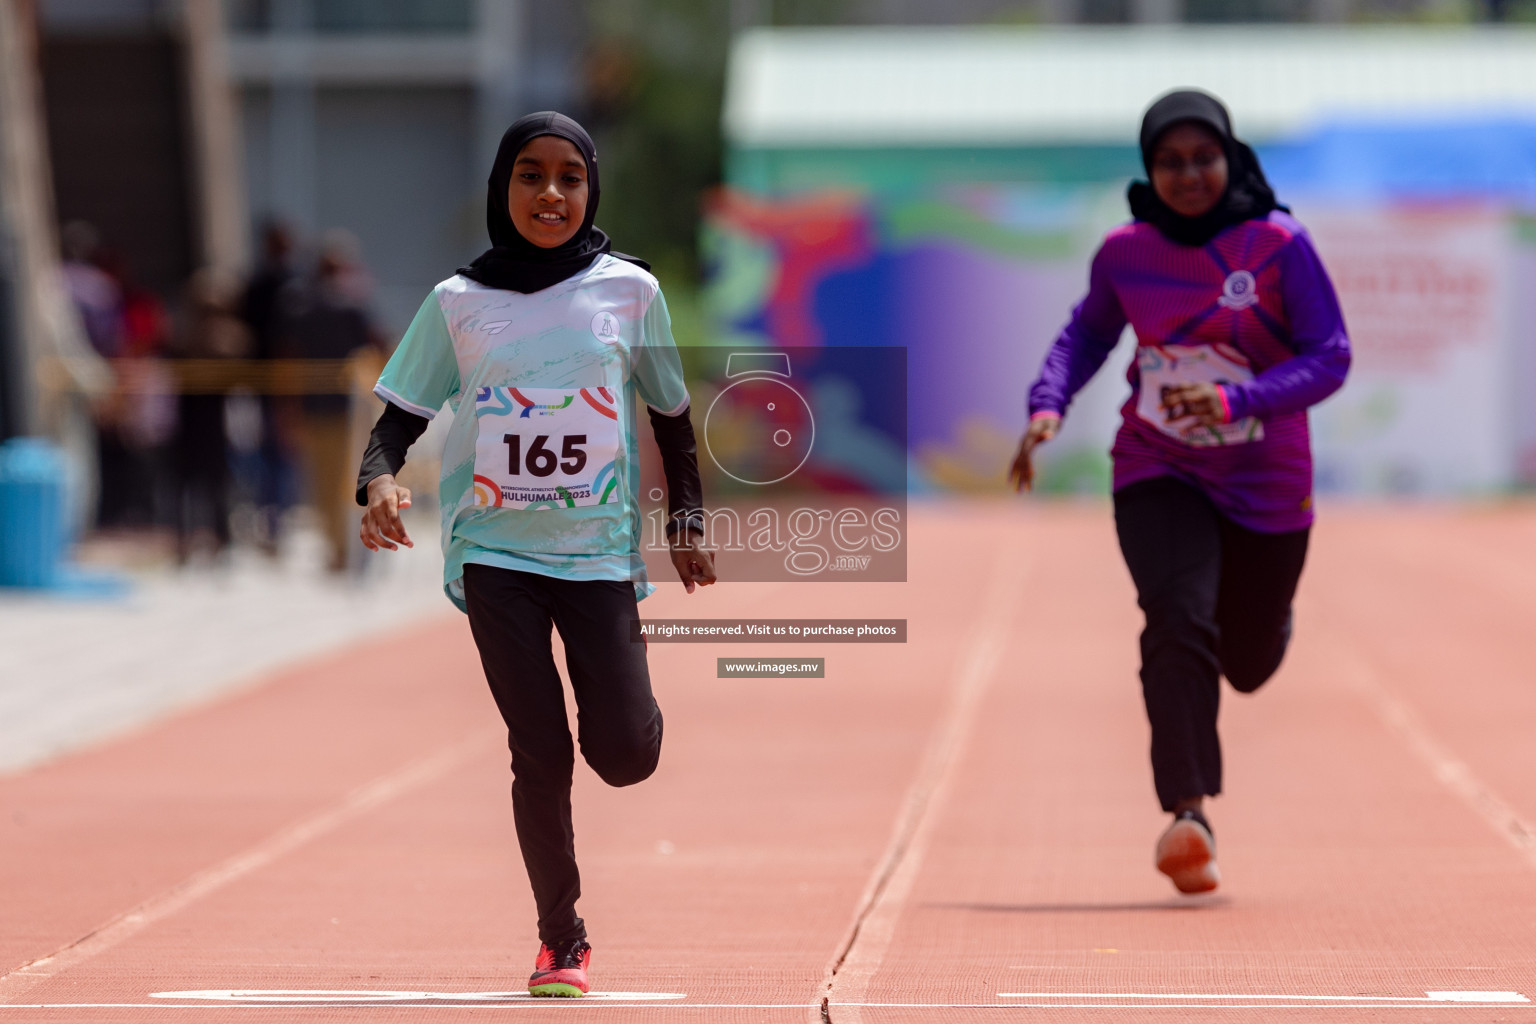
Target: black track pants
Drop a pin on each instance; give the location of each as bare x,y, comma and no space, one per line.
1218,602
618,722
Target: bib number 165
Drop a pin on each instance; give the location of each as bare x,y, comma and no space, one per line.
542,461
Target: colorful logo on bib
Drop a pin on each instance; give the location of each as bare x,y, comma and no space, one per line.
605,328
1239,290
530,407
487,492
492,402
603,400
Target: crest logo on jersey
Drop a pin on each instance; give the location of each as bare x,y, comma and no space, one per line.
1239,290
605,328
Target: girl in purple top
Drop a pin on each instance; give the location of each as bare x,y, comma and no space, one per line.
1238,332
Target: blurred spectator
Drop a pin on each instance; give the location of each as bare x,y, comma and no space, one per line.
140,417
327,317
210,328
94,292
99,302
261,310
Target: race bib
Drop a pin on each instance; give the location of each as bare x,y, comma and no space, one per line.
1164,366
546,448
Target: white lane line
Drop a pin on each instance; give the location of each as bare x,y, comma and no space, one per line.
1449,770
331,1009
1428,997
361,800
864,945
1120,1007
544,1004
343,997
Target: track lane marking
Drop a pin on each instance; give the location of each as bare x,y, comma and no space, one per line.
1449,770
863,947
366,797
1502,998
546,1004
380,997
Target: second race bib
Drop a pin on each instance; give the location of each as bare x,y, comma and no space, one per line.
546,448
1163,366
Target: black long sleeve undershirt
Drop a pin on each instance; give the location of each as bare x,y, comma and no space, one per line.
397,430
680,465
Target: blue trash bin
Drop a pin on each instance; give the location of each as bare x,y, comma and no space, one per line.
31,512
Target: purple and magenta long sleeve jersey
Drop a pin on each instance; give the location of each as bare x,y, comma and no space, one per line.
1252,311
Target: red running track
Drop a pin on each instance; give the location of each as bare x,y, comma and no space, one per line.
955,829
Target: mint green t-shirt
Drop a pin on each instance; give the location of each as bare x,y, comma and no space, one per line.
540,468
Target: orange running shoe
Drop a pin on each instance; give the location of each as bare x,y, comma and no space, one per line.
1186,853
561,969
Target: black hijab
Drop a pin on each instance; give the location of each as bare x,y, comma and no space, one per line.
1248,195
514,263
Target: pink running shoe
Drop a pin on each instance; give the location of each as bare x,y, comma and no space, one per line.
1186,853
561,969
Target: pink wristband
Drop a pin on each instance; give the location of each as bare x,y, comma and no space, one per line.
1046,412
1226,406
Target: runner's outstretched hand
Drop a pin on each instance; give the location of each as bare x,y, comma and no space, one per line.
381,522
1202,401
694,563
1041,429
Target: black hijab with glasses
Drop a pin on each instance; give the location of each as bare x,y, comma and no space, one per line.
1247,196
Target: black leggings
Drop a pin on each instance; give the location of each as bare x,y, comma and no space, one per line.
1217,598
618,722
